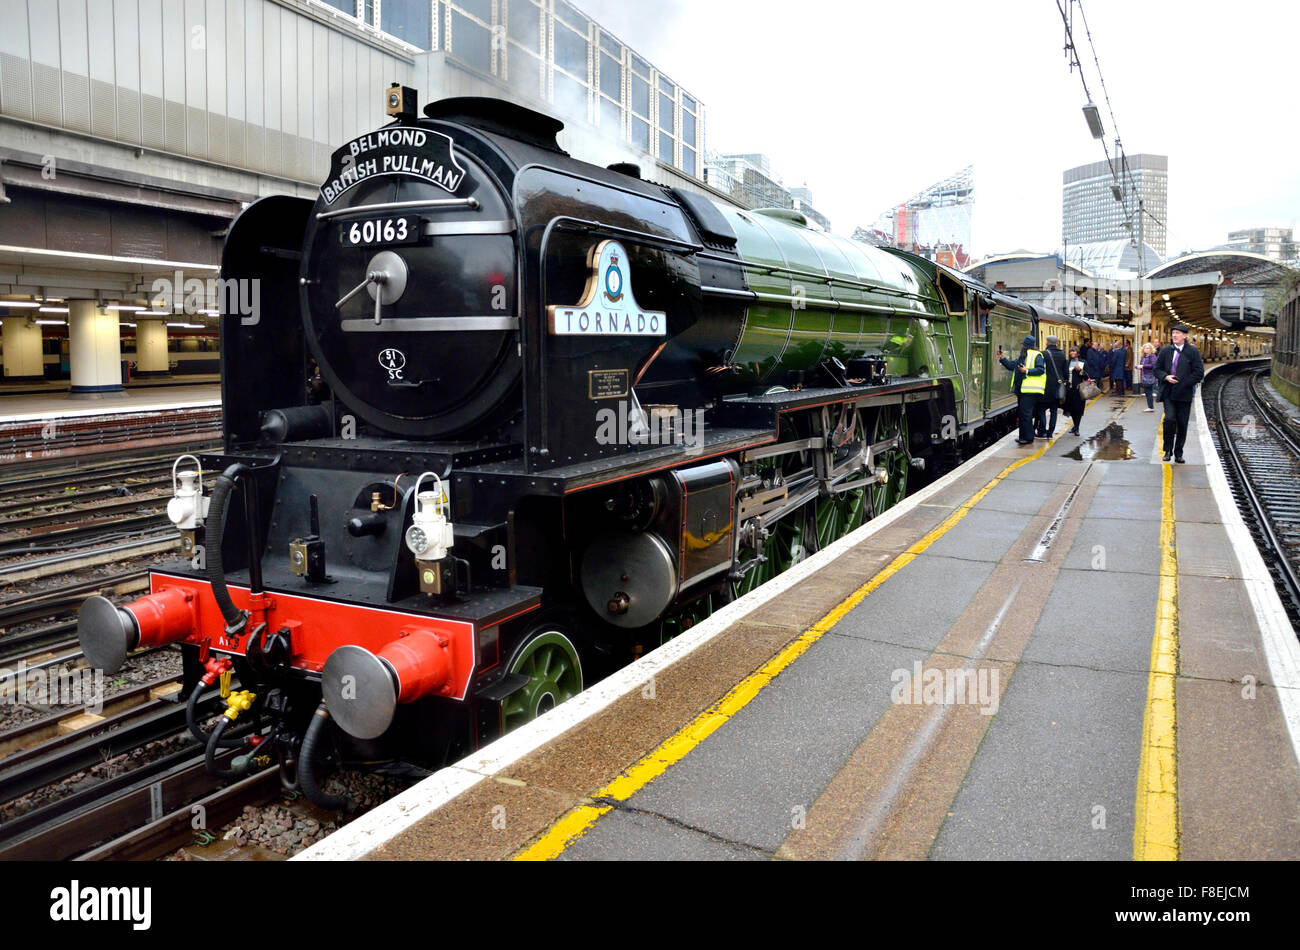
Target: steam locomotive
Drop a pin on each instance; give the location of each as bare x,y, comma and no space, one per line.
504,420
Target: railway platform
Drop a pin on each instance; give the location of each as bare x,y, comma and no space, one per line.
1064,651
55,403
64,386
50,426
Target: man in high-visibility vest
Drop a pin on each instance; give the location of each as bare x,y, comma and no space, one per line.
1029,384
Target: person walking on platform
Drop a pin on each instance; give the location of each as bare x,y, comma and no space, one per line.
1179,368
1148,365
1076,374
1116,369
1051,401
1029,384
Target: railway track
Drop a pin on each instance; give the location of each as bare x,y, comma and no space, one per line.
37,753
66,520
60,539
118,483
17,743
143,811
35,483
71,509
1262,459
106,551
122,783
140,815
34,440
29,607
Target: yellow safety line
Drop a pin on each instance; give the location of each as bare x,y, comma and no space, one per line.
580,819
1155,827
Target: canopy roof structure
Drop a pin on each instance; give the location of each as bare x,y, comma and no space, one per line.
1237,267
1246,280
1208,290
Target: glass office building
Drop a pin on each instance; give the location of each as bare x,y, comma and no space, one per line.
1091,212
549,55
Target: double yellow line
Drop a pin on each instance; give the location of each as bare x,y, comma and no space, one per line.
580,819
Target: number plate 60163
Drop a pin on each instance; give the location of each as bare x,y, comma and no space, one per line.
364,232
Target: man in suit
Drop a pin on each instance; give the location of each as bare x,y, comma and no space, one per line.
1117,357
1029,385
1096,367
1179,369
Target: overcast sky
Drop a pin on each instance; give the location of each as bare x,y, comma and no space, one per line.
869,102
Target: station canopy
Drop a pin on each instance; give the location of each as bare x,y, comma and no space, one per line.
1209,290
1237,267
1251,274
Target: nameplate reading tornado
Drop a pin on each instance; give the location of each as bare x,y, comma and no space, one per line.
608,307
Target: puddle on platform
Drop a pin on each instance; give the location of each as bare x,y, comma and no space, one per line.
1108,445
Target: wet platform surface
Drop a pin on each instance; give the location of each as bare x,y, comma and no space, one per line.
1058,653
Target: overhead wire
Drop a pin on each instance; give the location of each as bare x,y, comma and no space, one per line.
1123,177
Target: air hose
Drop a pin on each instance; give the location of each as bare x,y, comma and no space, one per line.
215,572
210,753
242,701
311,742
191,720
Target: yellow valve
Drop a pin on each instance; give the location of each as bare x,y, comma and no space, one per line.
241,701
225,683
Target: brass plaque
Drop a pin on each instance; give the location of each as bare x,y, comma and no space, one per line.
607,383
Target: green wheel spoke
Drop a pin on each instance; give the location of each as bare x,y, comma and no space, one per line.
890,423
830,520
554,671
697,611
852,505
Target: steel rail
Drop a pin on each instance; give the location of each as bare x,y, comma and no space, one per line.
41,565
1257,503
44,764
28,740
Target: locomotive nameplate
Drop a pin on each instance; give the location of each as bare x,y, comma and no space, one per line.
421,153
607,383
608,307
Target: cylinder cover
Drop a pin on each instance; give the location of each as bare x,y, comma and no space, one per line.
629,579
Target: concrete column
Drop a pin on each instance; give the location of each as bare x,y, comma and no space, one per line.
23,358
151,348
94,350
